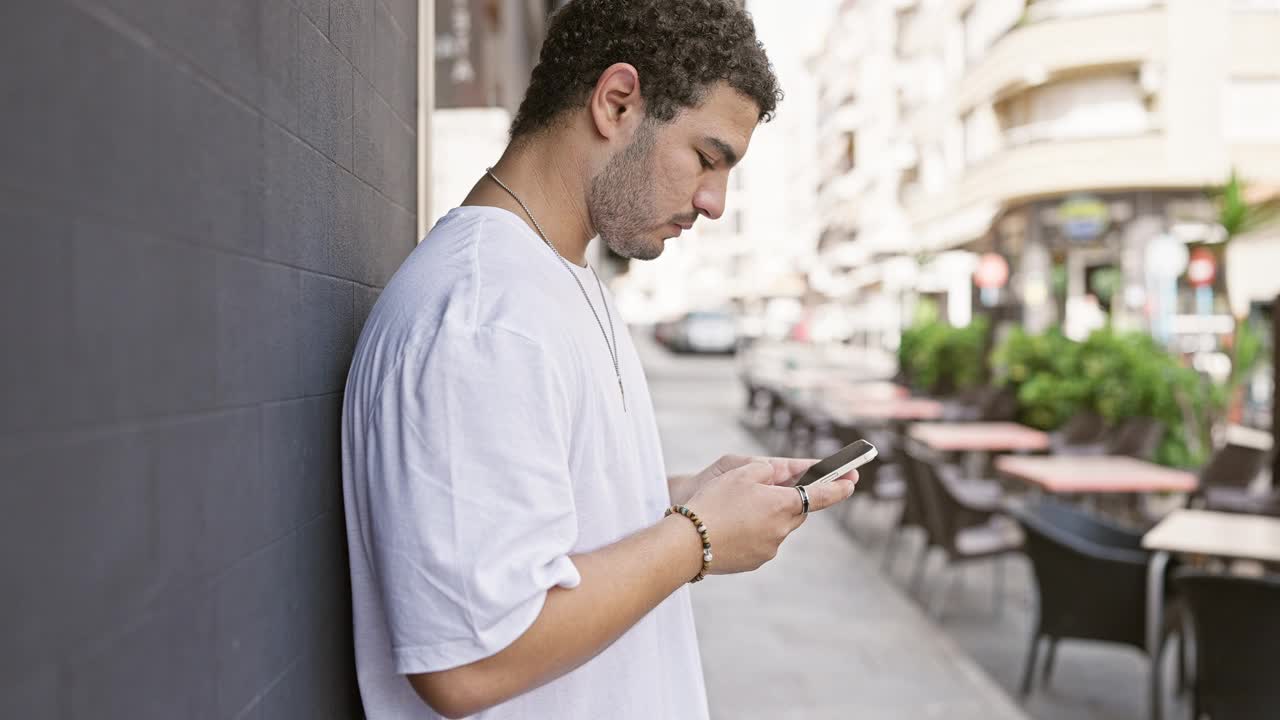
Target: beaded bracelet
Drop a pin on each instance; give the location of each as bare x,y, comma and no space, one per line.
702,530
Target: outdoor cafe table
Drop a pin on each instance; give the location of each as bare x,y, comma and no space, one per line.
979,437
868,390
1206,533
851,409
1066,474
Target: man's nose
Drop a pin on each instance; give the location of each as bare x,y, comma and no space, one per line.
709,202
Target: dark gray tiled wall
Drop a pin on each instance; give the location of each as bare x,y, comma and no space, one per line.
199,203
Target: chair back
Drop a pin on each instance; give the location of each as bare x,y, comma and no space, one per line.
913,506
941,511
1232,466
1091,575
1138,437
1237,631
1082,428
1000,406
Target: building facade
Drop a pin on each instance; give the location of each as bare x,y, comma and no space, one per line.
1066,135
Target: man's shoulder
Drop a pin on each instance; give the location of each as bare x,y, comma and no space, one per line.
478,267
485,243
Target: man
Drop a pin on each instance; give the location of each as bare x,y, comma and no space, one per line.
503,480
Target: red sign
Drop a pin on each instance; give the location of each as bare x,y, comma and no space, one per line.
992,271
1202,268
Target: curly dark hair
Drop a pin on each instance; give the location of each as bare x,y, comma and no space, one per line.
680,48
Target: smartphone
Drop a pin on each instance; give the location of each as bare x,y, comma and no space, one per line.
850,457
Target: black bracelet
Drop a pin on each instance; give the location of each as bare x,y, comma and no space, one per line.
702,530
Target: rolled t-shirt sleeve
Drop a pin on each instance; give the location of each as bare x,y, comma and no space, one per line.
470,506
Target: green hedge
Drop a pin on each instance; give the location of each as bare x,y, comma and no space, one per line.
940,360
1116,375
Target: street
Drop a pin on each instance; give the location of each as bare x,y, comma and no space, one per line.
819,632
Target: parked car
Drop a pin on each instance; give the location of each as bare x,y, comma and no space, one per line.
699,332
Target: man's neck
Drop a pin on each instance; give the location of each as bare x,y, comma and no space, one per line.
551,183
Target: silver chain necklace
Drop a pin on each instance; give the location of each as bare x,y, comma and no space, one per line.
613,348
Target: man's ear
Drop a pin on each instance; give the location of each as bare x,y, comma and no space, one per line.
616,106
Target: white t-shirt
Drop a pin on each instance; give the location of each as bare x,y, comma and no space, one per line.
484,441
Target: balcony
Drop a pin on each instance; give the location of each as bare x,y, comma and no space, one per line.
1026,169
839,201
1060,43
1047,10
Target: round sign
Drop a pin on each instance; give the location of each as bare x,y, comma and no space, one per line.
1202,268
1166,256
992,271
1083,217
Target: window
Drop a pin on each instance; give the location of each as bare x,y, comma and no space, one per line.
850,160
909,185
1107,105
906,21
974,43
953,149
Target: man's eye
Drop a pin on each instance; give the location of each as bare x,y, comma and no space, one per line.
706,162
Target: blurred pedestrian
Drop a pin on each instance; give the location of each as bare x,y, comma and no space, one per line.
517,550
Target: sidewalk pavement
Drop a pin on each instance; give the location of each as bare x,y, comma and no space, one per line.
819,632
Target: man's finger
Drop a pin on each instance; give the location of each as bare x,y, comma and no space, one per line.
789,470
824,495
757,471
731,462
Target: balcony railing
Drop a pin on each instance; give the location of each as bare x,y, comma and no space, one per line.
1060,131
1256,5
1042,10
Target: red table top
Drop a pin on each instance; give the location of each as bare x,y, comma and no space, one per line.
877,390
850,409
980,437
1096,474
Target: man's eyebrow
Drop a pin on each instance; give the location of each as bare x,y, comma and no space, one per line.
722,147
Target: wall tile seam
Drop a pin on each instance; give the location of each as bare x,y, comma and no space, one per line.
44,440
47,211
411,127
173,240
327,39
121,25
163,602
256,700
403,37
349,58
113,634
297,65
125,27
215,579
395,21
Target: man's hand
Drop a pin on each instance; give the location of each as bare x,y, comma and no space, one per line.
751,509
785,472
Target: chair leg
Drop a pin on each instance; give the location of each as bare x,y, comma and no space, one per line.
1048,662
890,548
1186,651
997,585
917,576
1028,670
945,585
1182,662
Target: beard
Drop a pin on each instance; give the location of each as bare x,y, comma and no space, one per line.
622,203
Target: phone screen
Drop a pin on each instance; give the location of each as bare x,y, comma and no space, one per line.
849,457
